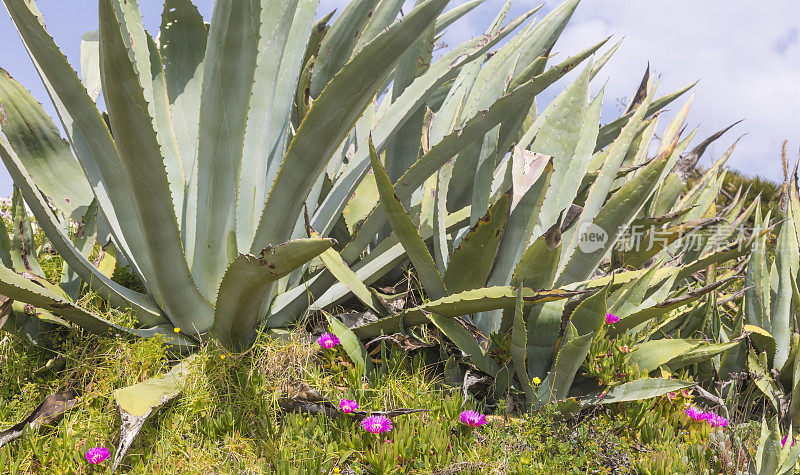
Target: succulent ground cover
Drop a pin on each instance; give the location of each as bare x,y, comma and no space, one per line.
232,418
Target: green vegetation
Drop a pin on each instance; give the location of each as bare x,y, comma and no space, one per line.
232,417
266,177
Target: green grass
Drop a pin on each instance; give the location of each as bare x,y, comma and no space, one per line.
228,419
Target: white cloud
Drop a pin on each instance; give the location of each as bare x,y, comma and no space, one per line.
746,59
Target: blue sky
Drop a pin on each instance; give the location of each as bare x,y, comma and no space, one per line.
747,60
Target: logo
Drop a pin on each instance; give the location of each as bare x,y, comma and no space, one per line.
592,238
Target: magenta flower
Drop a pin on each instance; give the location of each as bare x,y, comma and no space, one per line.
472,418
786,439
377,424
328,340
716,420
347,406
97,455
611,319
695,413
700,416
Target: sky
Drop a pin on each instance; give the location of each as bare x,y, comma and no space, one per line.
746,59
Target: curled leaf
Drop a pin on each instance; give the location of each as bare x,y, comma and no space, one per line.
48,412
404,342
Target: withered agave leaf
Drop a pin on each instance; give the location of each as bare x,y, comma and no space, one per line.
686,165
301,391
300,397
295,405
464,303
402,411
357,319
5,309
666,218
137,402
474,380
48,412
641,92
404,342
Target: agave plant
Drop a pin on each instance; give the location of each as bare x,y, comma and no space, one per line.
268,164
531,234
754,340
249,139
228,120
776,454
233,152
769,304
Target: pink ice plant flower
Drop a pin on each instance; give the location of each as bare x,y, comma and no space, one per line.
786,439
328,340
611,319
472,418
97,455
694,413
377,424
347,406
714,419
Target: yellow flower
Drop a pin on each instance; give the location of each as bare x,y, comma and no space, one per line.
177,329
336,470
537,381
222,357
